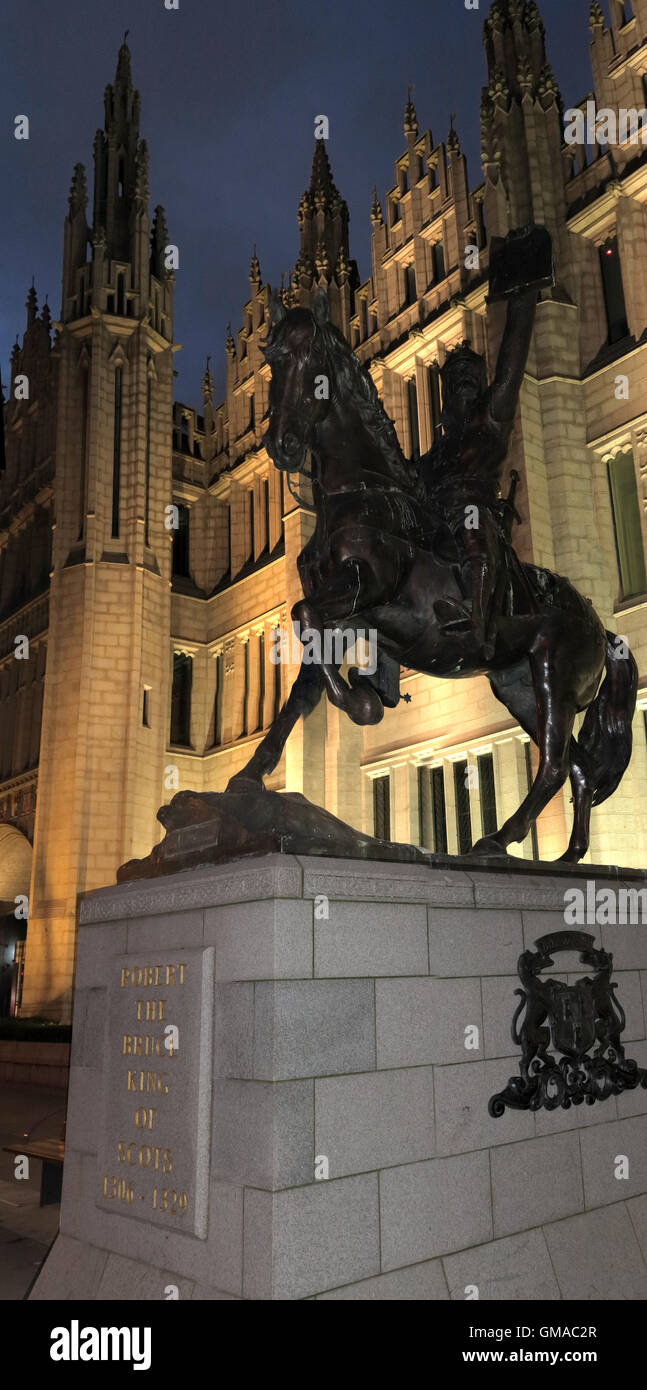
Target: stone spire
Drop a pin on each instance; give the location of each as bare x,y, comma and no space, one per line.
159,242
207,385
410,117
376,210
321,179
254,269
31,305
116,159
141,173
78,199
323,216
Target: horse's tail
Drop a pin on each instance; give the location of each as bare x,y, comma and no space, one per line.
606,734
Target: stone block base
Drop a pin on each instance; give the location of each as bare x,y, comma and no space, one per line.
330,1137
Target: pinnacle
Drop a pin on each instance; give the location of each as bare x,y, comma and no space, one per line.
321,179
376,210
78,190
410,117
123,75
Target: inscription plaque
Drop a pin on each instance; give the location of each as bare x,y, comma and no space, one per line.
153,1158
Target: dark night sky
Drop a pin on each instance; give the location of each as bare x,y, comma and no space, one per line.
229,94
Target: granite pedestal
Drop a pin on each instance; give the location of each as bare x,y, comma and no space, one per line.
279,1086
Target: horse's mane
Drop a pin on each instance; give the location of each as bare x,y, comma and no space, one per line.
358,383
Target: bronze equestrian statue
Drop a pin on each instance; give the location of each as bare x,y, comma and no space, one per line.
420,553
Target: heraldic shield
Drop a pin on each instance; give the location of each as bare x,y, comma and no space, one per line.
572,1019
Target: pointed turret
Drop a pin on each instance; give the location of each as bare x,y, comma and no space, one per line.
324,257
116,149
410,117
207,385
78,199
31,305
254,271
119,279
159,242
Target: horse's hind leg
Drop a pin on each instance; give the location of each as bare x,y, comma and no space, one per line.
551,729
583,790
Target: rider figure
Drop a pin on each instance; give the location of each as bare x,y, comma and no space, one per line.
462,472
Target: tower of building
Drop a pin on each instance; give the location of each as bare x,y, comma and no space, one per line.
107,689
324,258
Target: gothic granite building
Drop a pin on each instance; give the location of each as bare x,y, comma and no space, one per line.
147,666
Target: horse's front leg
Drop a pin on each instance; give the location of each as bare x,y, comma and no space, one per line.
304,697
336,601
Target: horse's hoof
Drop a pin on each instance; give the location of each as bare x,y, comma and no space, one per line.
363,703
487,846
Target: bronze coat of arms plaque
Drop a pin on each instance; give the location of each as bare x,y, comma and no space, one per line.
582,1021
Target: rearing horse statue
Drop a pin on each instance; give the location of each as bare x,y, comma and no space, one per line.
420,554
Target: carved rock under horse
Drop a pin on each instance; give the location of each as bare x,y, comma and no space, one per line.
420,554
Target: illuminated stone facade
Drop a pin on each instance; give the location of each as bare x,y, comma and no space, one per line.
156,640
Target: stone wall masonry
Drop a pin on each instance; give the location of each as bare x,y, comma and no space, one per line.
362,1021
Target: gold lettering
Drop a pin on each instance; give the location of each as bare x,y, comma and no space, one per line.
121,1152
145,1118
168,1161
148,976
126,1049
144,1151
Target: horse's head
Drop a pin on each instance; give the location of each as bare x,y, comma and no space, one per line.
300,386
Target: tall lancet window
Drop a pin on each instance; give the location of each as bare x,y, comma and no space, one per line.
625,510
147,479
116,454
83,451
614,296
181,700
